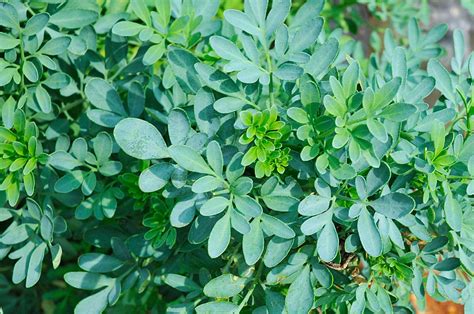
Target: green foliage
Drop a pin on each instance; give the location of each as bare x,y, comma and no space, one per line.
267,135
183,155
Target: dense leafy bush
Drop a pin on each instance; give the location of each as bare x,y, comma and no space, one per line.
253,162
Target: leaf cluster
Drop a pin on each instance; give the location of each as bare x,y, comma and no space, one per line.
180,156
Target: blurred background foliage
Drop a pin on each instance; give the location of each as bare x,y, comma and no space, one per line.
365,17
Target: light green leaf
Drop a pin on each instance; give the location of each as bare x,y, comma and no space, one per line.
56,253
183,64
471,65
99,263
140,9
214,157
259,10
43,99
8,42
9,16
8,113
313,205
420,91
228,104
207,118
457,61
181,283
322,58
300,296
214,206
377,178
206,184
298,114
217,307
63,161
164,12
217,80
224,286
444,82
179,127
344,172
140,139
277,250
306,35
453,212
36,24
253,243
69,182
384,300
57,80
328,243
386,94
34,266
334,107
103,118
155,178
289,72
277,15
438,136
154,53
182,213
398,112
226,49
219,238
368,101
394,205
241,20
56,46
103,96
377,129
95,303
30,71
399,66
277,227
350,79
247,206
46,228
73,18
189,159
369,234
126,28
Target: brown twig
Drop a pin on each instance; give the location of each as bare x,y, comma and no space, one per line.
343,265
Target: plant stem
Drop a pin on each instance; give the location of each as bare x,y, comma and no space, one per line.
117,73
270,70
252,288
231,259
22,57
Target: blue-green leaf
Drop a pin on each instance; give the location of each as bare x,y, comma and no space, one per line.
241,20
99,263
220,237
140,139
369,234
189,159
224,286
394,205
328,243
444,82
253,243
300,295
103,96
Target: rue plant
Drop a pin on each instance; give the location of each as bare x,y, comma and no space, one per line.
180,156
